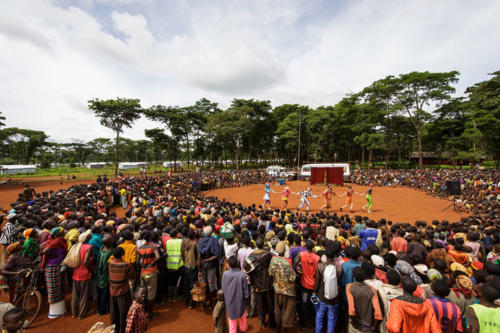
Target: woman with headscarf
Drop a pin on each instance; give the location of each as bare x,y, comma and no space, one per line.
53,253
30,246
13,268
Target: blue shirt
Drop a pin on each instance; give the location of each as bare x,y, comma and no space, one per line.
358,227
368,237
347,269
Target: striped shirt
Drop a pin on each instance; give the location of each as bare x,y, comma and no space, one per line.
146,256
119,274
448,315
8,235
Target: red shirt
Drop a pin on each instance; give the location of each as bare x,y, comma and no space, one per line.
309,261
81,273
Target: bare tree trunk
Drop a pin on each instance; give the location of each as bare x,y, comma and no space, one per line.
116,153
420,153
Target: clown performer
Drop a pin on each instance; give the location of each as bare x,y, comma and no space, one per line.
303,198
348,200
284,197
267,197
368,196
327,194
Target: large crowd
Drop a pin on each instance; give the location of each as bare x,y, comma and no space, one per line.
322,271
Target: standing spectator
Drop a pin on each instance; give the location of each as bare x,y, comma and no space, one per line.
209,253
189,256
8,234
53,253
369,235
219,313
447,313
387,293
236,295
119,274
81,278
306,263
257,267
148,256
283,274
328,299
409,313
399,244
363,304
173,247
137,319
102,275
484,317
130,254
352,253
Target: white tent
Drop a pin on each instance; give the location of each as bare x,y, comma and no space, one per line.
13,169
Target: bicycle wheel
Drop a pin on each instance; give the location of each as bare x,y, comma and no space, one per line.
31,303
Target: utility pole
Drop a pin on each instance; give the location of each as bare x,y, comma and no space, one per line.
298,155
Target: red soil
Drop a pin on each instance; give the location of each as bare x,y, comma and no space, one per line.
399,204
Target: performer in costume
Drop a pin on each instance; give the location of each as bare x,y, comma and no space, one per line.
368,196
348,199
327,194
267,197
284,197
303,198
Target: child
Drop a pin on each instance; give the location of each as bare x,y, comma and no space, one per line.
219,313
13,321
137,320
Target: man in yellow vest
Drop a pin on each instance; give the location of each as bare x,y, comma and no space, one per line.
485,316
174,263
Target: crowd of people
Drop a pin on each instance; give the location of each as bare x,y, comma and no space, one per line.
479,189
329,270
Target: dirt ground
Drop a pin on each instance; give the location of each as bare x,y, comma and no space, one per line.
399,204
396,204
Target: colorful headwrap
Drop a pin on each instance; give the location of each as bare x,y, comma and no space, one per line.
27,233
405,268
55,231
14,247
433,274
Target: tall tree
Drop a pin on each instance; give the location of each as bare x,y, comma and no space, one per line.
116,114
485,114
414,92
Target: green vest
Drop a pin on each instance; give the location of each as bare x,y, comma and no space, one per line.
174,254
489,318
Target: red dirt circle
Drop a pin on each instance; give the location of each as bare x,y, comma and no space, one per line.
398,204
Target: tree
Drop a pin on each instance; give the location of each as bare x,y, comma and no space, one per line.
23,143
485,113
161,142
414,91
101,148
116,114
230,127
176,121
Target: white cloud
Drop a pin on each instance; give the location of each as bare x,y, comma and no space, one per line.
54,59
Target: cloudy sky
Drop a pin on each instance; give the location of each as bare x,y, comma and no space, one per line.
56,55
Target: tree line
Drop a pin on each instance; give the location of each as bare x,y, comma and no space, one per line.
384,122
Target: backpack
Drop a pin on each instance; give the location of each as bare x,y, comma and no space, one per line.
72,259
330,280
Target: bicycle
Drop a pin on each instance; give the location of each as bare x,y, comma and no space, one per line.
28,296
